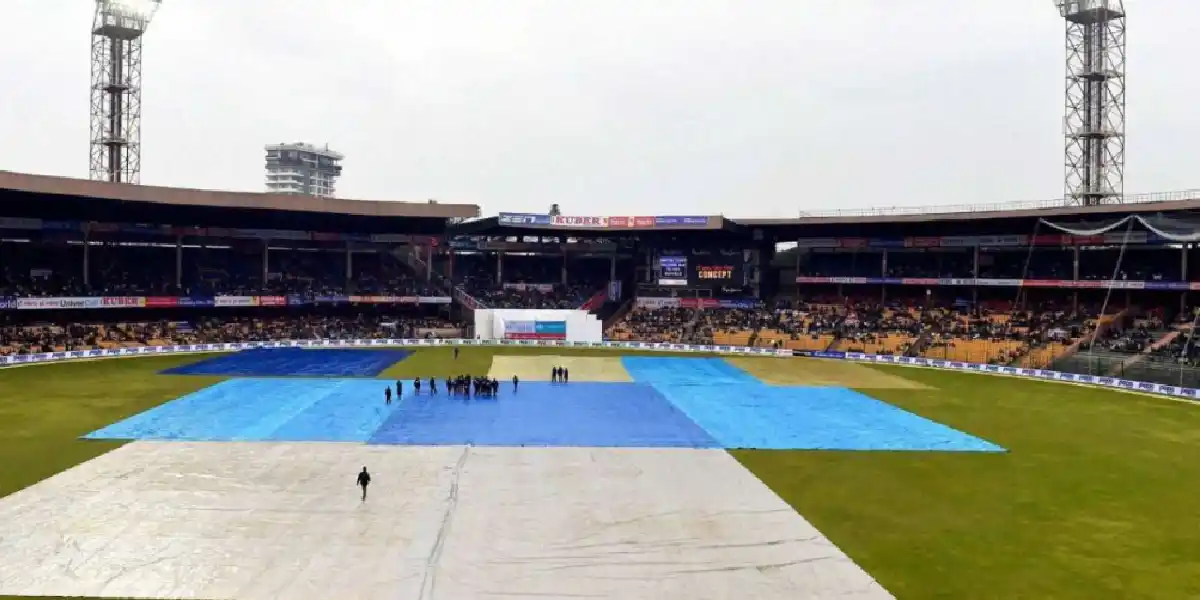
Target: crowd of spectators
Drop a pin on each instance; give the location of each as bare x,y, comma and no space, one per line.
526,281
238,269
1137,264
547,296
732,326
52,337
990,332
42,270
1181,349
1134,339
668,324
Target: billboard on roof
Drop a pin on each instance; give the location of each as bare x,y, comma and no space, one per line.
608,222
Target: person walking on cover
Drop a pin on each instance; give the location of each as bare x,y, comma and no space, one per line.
364,479
516,382
387,395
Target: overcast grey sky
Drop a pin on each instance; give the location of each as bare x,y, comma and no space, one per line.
738,107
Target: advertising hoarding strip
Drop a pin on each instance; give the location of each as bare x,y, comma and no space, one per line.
991,282
102,302
986,241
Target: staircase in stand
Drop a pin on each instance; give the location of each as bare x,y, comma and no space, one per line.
689,328
409,256
1161,342
1070,356
616,315
920,344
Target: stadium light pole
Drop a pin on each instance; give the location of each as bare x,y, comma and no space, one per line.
1094,119
116,98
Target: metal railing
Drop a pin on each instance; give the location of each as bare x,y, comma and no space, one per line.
1154,369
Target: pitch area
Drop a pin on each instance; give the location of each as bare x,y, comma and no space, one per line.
693,402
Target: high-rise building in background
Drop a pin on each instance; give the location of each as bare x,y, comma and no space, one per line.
303,169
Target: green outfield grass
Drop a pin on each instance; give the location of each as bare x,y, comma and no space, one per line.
1097,498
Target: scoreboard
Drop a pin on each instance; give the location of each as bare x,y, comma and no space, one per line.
702,269
673,270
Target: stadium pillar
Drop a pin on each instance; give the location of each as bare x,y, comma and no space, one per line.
179,261
975,274
1075,277
450,264
87,270
349,264
883,272
266,264
612,267
564,269
1183,275
499,267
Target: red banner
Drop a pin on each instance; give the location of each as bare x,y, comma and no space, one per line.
699,302
1049,240
161,301
1045,283
535,336
272,301
632,222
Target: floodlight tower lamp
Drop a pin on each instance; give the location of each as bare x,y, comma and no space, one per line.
116,94
1094,115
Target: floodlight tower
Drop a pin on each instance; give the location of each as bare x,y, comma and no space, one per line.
116,130
1094,120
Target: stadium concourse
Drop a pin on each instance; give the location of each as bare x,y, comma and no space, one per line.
91,265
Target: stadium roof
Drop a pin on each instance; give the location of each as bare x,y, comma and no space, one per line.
1187,200
596,226
184,197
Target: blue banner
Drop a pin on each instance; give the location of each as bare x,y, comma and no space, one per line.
465,244
201,302
672,220
745,303
296,300
1167,285
331,299
63,225
550,327
8,303
523,219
